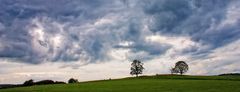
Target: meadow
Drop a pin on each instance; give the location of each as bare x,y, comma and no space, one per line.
160,83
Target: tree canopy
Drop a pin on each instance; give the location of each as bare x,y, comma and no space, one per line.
136,67
72,80
180,67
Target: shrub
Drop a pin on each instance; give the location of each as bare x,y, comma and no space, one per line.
72,80
28,83
43,82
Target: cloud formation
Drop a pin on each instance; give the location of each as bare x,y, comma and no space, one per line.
97,31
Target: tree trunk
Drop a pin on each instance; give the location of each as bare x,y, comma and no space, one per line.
136,75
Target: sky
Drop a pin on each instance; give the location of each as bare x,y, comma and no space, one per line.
98,39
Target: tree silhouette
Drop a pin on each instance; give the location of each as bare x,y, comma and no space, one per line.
181,67
44,82
28,83
136,68
72,80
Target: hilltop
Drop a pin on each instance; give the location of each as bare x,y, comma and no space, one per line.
160,83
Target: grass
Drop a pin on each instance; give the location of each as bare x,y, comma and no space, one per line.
145,84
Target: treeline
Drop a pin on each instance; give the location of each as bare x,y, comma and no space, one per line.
230,74
42,82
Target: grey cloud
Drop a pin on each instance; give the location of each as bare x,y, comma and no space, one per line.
193,18
17,16
172,12
75,22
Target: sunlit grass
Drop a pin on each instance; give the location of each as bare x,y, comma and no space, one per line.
145,84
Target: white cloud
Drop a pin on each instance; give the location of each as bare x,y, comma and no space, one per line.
220,60
18,73
178,43
118,54
232,15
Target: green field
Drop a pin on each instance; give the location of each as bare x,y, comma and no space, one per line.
145,84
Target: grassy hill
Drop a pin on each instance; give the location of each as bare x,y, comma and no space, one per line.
162,83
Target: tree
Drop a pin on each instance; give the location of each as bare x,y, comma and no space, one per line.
181,67
72,80
44,82
28,82
136,68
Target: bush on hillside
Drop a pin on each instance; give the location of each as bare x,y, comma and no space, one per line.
28,83
43,82
72,80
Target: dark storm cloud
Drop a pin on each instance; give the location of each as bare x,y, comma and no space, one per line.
71,30
172,12
16,16
193,18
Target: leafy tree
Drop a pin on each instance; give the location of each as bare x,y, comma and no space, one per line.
136,68
44,82
181,67
72,80
59,82
28,83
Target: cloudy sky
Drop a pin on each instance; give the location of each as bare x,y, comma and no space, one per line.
98,39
